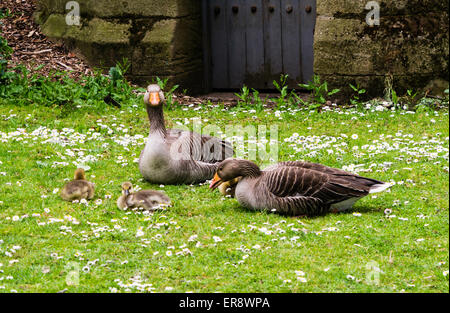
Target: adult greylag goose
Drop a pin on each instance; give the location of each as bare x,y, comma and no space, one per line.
173,156
146,199
78,188
295,188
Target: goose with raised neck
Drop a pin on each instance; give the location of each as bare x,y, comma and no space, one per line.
173,156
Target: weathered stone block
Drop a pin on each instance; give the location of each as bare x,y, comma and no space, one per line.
161,32
155,51
125,8
346,8
338,48
94,31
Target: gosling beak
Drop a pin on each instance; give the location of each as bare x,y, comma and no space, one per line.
215,182
154,98
127,192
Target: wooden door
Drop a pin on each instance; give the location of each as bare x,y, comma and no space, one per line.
252,42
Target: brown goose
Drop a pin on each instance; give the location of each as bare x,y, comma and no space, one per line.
78,188
295,188
173,156
146,199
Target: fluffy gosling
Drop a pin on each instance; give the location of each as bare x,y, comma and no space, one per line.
78,188
229,188
146,199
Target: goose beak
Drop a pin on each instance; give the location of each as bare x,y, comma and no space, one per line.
154,98
215,182
127,192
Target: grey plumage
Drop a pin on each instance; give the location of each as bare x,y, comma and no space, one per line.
146,199
173,156
78,188
295,188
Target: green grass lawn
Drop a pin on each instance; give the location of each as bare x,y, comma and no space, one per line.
208,243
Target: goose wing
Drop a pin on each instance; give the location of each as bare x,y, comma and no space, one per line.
303,191
292,181
192,146
326,170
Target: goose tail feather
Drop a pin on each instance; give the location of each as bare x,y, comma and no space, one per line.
379,187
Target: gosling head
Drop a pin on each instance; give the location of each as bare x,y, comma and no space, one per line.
127,188
232,170
154,95
229,188
79,174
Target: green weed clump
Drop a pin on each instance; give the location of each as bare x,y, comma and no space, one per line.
21,86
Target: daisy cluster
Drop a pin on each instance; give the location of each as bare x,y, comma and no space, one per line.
74,142
134,284
399,146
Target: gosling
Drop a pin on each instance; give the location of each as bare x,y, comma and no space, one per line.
146,199
228,189
78,188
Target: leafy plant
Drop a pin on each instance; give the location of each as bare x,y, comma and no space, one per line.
426,105
394,98
244,96
169,96
319,90
282,88
162,82
358,91
411,95
21,87
259,104
388,86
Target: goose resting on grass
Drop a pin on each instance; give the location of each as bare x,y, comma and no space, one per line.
173,156
78,188
294,188
146,199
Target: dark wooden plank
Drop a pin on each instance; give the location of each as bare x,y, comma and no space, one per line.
272,37
307,27
255,44
206,38
290,23
236,23
217,12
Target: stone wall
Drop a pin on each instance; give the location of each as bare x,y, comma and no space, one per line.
164,38
411,44
160,37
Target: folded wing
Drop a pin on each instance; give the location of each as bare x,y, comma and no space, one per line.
189,145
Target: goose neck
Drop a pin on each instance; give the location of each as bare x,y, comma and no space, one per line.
156,118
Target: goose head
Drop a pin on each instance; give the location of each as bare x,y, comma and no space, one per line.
231,171
154,96
127,189
79,174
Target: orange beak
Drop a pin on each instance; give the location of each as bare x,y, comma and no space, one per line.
215,182
154,98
